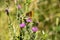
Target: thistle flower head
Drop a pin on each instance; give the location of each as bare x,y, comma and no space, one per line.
22,25
19,6
29,20
34,29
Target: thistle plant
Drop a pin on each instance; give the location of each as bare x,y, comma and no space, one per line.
31,19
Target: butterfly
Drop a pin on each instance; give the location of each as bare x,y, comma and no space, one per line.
29,14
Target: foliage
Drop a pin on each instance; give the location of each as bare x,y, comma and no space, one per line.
30,19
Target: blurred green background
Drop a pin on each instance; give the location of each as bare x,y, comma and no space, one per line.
46,12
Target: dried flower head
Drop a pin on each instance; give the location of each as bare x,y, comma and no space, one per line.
7,11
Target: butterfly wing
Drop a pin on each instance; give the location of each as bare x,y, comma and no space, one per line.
29,14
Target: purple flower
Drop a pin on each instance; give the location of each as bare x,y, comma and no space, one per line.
34,29
19,6
29,20
22,25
